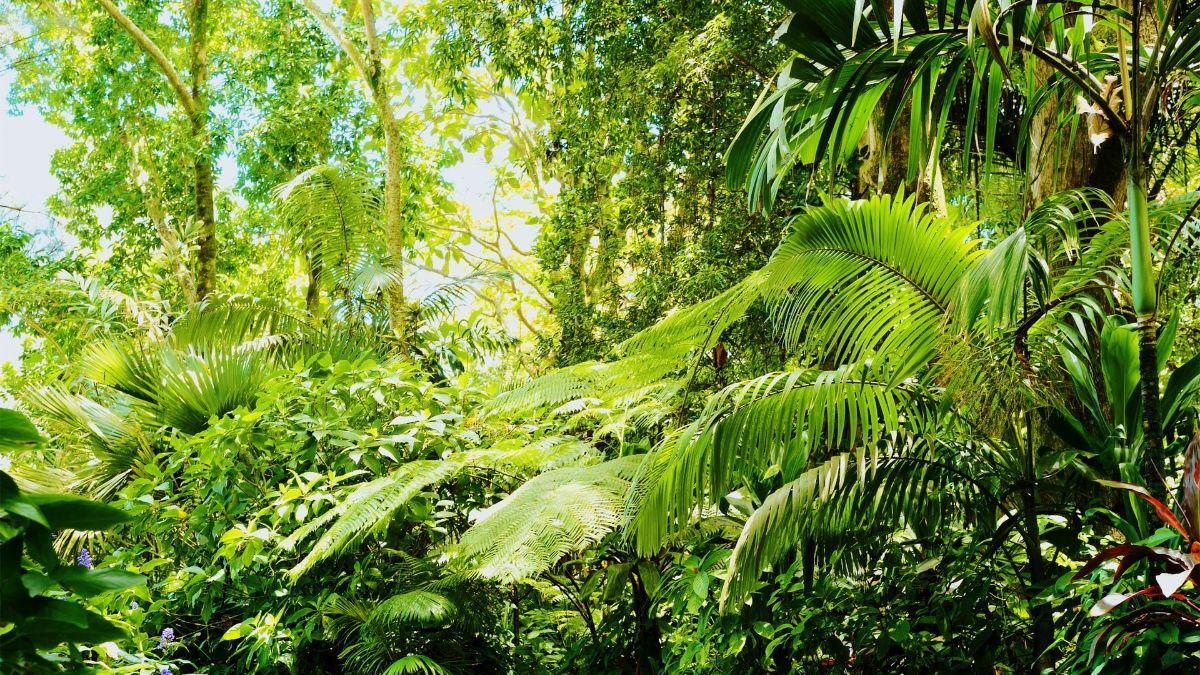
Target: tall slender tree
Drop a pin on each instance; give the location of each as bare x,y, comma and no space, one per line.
193,100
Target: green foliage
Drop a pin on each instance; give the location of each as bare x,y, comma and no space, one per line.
554,514
39,605
865,425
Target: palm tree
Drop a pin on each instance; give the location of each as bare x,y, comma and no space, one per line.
1125,72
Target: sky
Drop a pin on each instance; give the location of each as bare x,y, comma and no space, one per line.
26,144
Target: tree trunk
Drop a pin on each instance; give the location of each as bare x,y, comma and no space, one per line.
394,196
1062,157
206,239
1145,305
884,168
1042,629
370,67
649,637
1042,633
173,249
194,104
312,294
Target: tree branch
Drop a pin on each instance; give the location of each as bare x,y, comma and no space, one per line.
152,50
351,50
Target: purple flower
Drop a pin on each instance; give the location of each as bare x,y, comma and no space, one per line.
167,637
85,559
165,670
134,605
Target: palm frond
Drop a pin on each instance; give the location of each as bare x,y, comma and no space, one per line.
113,441
777,420
415,664
871,491
857,279
179,388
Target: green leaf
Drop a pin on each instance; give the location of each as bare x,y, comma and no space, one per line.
66,512
237,631
89,582
36,582
14,502
57,621
16,430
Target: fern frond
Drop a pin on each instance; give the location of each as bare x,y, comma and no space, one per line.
369,507
439,303
588,380
697,327
543,454
332,213
412,608
224,322
549,516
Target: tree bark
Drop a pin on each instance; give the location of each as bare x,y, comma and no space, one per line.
172,248
1063,157
312,294
393,188
1042,633
649,636
884,168
1145,305
206,238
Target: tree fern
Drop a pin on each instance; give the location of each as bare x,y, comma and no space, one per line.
333,214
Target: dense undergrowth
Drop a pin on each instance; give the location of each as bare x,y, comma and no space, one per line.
928,404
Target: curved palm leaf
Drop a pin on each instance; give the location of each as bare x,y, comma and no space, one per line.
880,276
776,420
412,608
